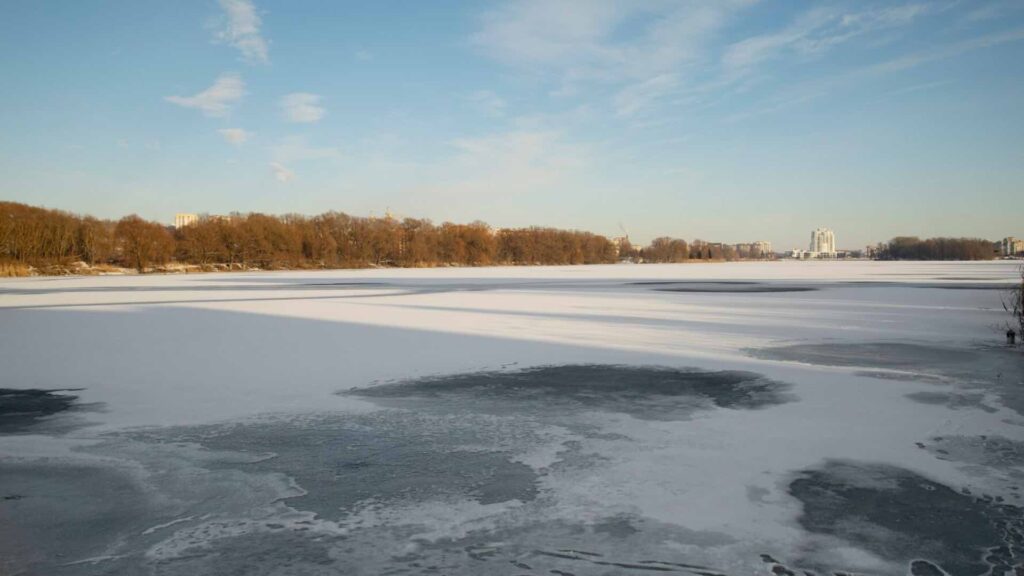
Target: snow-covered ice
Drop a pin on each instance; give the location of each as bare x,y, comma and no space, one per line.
743,418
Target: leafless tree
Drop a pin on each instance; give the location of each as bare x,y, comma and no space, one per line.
143,243
1013,303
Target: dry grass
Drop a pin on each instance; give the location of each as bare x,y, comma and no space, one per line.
99,269
14,270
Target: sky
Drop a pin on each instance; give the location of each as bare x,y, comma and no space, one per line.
724,120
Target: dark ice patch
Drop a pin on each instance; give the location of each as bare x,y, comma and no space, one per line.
283,552
990,451
23,409
975,286
952,400
903,376
903,517
723,286
389,457
894,355
619,526
996,370
559,547
734,288
925,568
63,513
695,282
643,392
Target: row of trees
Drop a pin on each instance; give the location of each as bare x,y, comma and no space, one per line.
40,237
335,239
666,250
914,248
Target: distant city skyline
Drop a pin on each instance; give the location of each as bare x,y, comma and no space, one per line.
729,121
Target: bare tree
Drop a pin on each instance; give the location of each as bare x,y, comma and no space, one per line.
142,242
1013,303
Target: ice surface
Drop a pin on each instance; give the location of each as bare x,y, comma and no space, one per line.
719,419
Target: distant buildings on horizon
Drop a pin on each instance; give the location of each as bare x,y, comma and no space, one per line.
186,219
1010,247
821,247
182,219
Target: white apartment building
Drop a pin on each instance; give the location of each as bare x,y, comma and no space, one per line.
823,243
182,219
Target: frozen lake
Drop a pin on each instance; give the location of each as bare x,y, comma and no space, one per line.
721,419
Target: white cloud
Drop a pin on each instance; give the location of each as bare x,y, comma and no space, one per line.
362,55
302,107
235,136
487,102
215,100
242,30
281,173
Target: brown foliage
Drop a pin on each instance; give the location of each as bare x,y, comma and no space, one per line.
44,237
141,243
52,239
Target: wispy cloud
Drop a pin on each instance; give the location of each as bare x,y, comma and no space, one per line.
215,100
281,173
812,89
242,30
984,11
236,136
944,52
487,102
638,96
819,30
579,40
577,43
672,51
556,33
302,107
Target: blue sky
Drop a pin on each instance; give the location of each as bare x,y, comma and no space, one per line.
730,120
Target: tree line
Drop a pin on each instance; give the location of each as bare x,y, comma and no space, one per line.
914,248
672,250
41,237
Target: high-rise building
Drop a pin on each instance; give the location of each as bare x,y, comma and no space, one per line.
823,243
1011,246
181,219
